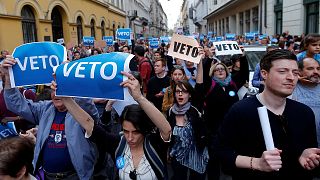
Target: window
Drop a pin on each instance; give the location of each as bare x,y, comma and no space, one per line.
103,29
57,28
312,18
79,29
247,16
93,31
28,25
215,2
241,22
227,25
278,22
255,17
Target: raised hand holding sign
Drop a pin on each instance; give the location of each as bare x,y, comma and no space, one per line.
35,63
95,76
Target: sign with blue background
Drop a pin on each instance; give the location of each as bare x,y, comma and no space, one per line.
219,38
123,33
88,40
164,39
250,35
7,130
154,44
109,40
35,63
95,76
230,37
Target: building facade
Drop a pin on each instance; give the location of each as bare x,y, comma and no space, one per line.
263,16
185,21
27,21
159,21
197,12
146,18
138,16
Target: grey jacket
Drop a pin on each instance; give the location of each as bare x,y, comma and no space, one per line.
82,151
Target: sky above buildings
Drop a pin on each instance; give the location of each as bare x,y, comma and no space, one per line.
172,9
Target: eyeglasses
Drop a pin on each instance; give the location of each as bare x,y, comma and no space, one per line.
181,92
219,69
133,175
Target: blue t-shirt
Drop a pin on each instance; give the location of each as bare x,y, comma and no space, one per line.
303,54
56,157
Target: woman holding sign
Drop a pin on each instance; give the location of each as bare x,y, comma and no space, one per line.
140,153
188,150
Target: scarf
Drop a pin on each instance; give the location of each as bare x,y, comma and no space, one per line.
223,83
181,110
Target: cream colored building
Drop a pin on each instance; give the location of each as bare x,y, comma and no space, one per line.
26,21
265,16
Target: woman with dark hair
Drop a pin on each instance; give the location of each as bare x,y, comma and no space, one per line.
188,151
219,95
140,153
177,74
16,155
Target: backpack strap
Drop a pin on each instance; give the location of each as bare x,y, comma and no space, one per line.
154,159
121,147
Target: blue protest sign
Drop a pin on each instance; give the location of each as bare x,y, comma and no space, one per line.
212,40
95,76
109,40
201,37
263,36
123,33
164,39
6,132
210,33
154,44
230,37
250,36
219,38
88,41
35,63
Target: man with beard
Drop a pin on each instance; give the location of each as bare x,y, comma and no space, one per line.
307,90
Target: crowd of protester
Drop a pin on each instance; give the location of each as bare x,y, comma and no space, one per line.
189,118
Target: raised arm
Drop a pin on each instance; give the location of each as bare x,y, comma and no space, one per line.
153,113
199,78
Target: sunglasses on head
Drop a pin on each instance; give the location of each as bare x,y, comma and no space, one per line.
178,67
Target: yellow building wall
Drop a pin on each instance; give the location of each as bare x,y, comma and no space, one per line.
69,10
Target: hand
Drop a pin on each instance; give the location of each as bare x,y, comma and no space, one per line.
133,85
109,105
310,158
269,161
160,94
9,61
31,134
201,52
54,88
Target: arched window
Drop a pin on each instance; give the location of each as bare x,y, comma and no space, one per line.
28,25
103,29
57,28
79,29
93,31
